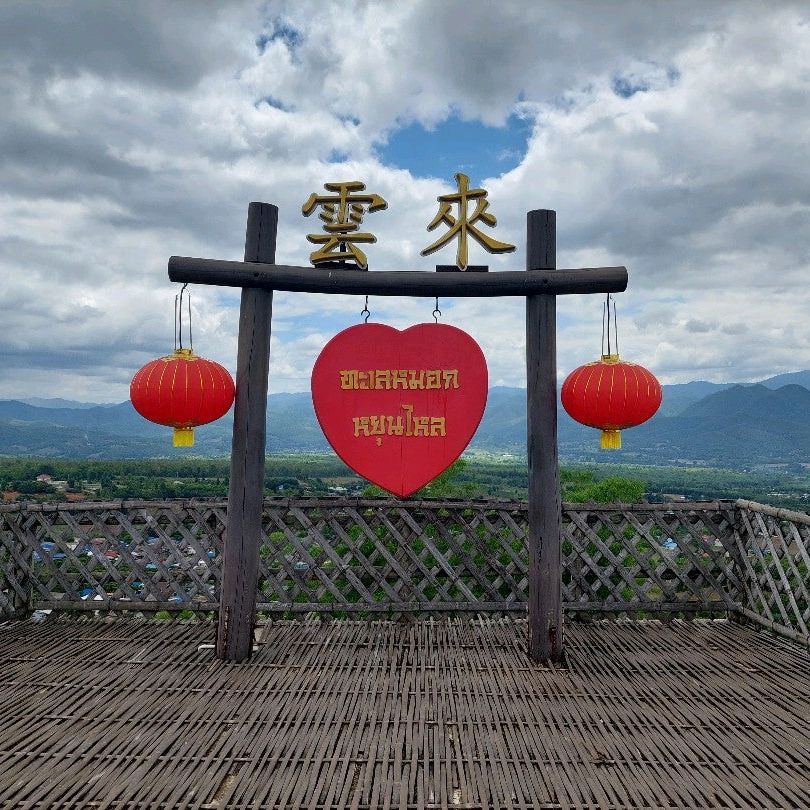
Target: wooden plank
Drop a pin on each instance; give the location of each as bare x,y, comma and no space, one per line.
334,501
545,519
246,487
271,276
420,716
777,512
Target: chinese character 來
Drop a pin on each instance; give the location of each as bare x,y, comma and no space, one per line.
342,214
462,225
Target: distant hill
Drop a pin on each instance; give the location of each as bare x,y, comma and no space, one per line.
801,378
726,402
119,431
58,402
701,422
741,425
681,396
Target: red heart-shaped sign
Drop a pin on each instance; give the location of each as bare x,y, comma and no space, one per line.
399,407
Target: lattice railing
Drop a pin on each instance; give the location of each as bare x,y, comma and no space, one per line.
654,557
773,549
131,555
367,555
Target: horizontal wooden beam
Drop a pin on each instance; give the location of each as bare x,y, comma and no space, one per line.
386,282
774,511
709,605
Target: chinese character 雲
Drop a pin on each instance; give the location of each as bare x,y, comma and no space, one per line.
461,225
342,214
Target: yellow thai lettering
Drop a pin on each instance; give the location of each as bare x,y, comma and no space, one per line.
437,426
361,423
433,379
412,425
395,428
386,379
408,419
421,426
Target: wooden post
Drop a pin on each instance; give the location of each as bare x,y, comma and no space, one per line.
545,517
237,604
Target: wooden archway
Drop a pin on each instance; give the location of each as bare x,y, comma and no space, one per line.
258,275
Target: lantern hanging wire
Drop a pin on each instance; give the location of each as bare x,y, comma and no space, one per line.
436,310
612,351
365,313
178,320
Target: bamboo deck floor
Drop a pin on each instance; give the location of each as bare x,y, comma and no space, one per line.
122,714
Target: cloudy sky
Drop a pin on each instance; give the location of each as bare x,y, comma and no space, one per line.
672,137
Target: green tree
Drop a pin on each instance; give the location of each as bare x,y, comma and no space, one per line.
609,490
33,487
444,485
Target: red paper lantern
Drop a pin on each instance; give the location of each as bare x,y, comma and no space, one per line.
182,390
611,395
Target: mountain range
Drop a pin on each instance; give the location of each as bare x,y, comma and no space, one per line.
716,424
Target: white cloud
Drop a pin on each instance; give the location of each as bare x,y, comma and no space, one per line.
669,137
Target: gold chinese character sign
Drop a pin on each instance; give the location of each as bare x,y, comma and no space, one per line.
342,214
462,224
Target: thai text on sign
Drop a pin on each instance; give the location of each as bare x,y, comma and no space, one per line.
399,407
394,425
401,378
391,380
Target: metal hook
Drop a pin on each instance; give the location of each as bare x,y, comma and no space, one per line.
436,311
365,311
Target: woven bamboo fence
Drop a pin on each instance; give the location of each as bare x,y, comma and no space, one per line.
377,556
773,552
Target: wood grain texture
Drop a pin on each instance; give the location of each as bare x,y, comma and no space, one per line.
545,523
433,715
773,553
373,556
405,423
414,283
246,486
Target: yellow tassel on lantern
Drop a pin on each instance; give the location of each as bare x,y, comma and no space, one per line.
183,437
611,440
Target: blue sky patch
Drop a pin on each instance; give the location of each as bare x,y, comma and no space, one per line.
627,88
281,30
455,145
271,101
338,156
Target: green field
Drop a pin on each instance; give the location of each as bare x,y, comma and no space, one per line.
478,475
